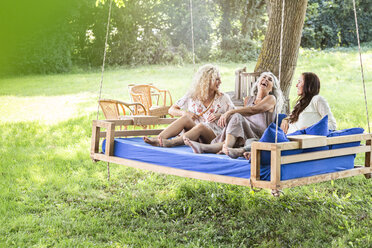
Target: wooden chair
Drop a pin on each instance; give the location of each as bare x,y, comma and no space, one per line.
243,85
111,110
144,93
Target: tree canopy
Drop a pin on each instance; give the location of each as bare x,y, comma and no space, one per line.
55,36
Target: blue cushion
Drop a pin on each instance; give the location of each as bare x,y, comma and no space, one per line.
349,131
298,132
319,128
269,136
281,117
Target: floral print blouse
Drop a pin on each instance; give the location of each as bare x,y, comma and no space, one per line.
220,105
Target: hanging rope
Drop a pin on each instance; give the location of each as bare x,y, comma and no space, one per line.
361,65
104,57
280,66
192,35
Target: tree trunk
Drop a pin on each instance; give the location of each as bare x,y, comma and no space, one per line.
268,60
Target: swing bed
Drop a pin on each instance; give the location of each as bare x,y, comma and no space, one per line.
283,171
302,160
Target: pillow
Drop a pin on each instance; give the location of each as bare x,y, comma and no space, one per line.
269,136
349,131
319,128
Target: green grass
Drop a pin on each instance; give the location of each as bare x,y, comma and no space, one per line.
51,194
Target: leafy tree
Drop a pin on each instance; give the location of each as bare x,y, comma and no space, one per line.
331,23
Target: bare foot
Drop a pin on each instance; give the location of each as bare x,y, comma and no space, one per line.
247,155
154,141
195,146
166,142
232,152
160,140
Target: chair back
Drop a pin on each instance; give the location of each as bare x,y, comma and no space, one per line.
110,109
141,93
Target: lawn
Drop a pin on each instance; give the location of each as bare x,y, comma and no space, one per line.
51,194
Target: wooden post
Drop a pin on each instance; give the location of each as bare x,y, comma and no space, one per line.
110,138
275,167
108,171
255,163
244,86
368,159
95,139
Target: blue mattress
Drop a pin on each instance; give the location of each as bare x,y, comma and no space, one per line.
182,157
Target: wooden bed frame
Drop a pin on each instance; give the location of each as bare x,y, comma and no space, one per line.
297,142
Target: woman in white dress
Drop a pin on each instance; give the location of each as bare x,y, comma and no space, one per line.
310,107
200,110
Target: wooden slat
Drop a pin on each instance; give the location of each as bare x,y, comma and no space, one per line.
324,177
306,141
263,146
275,168
101,123
289,145
142,132
263,184
323,154
348,138
173,171
237,84
141,120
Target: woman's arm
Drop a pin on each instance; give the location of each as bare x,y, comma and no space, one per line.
177,111
266,104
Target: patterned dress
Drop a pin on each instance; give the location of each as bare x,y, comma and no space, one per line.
220,105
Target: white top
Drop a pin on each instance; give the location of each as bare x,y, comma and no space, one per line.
220,105
314,112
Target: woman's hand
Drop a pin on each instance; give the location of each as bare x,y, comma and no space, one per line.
284,126
213,117
193,116
223,119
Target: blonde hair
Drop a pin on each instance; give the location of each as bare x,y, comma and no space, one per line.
201,82
277,92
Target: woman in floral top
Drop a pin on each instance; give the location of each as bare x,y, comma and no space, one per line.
200,110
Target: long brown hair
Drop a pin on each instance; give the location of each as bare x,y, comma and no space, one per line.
311,88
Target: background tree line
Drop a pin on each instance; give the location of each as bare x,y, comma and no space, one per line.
56,36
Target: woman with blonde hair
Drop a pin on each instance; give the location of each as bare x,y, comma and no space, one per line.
200,109
248,122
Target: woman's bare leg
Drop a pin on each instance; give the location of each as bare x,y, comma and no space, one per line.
230,140
199,131
175,128
229,143
203,148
